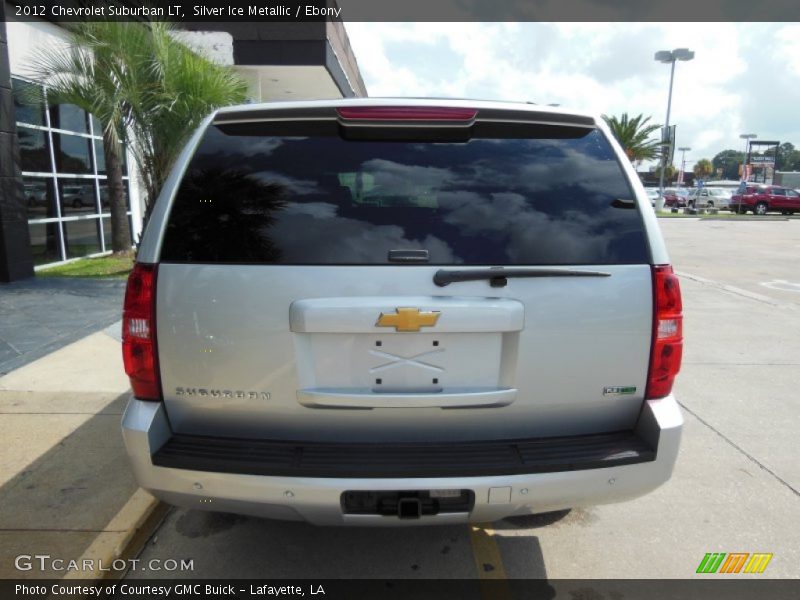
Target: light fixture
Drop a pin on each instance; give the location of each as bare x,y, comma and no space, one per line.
670,57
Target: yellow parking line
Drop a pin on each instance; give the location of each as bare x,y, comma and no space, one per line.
489,562
116,537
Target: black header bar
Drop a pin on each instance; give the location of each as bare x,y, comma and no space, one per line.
285,11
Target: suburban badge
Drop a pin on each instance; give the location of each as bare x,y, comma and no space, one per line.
208,392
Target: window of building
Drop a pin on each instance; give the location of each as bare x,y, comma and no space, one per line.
64,177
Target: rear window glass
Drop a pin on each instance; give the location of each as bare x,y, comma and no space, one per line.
254,195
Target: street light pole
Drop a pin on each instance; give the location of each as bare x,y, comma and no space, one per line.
668,56
683,151
669,96
746,137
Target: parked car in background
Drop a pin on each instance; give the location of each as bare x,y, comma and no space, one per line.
36,194
652,195
761,199
675,197
729,184
709,197
77,196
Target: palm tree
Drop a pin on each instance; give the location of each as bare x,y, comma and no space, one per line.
669,172
633,134
147,88
703,168
90,74
175,90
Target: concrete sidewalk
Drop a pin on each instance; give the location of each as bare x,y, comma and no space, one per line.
40,315
65,486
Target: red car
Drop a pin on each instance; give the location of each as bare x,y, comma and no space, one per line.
675,198
761,199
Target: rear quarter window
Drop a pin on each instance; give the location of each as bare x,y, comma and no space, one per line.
305,195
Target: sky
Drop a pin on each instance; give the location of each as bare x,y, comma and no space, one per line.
745,77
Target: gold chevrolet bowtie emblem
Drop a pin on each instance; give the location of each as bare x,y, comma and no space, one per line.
408,319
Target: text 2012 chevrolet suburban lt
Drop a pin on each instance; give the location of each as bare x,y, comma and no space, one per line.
401,311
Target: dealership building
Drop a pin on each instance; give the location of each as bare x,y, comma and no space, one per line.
53,192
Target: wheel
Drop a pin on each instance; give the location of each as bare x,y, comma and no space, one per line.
690,204
710,204
761,208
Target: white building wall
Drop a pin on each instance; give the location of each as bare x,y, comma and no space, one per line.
217,46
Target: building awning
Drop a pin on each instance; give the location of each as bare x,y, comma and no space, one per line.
283,61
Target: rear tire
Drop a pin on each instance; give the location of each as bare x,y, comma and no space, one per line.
761,208
535,520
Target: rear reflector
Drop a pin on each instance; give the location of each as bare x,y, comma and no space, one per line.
139,333
406,113
667,346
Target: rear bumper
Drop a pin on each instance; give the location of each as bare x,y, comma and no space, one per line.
258,480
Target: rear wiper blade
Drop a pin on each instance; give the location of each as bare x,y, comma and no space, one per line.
498,276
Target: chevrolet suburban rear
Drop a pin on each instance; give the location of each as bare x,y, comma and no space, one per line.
384,312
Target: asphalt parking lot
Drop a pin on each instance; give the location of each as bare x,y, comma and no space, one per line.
735,487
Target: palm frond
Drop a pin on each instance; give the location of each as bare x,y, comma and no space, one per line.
142,83
633,134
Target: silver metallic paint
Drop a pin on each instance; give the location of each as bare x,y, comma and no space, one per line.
230,327
317,500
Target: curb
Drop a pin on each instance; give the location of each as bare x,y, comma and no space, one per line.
122,539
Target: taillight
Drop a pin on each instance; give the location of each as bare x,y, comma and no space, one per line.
667,346
139,333
407,113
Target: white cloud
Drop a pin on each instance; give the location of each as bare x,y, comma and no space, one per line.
787,38
601,68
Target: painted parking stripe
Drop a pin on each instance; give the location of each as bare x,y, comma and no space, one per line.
489,562
782,285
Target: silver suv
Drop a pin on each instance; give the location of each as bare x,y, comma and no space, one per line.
711,197
388,311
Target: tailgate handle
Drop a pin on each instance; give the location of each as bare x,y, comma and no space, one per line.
408,256
367,399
